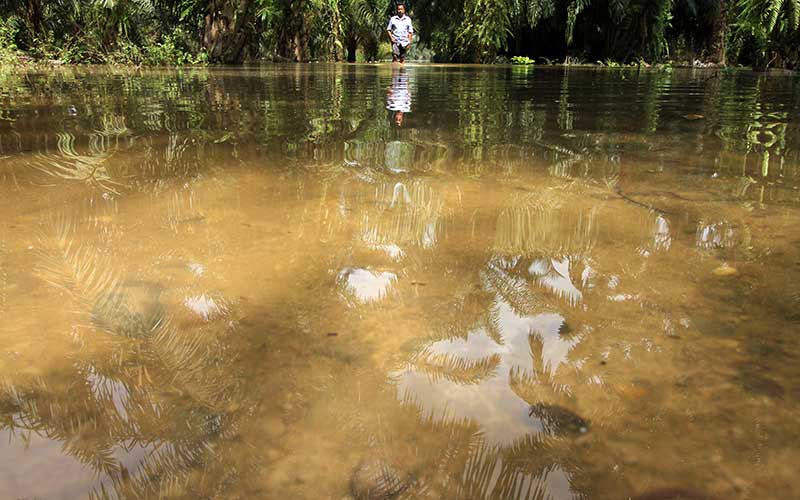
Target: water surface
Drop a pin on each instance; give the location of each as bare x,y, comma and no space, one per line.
437,282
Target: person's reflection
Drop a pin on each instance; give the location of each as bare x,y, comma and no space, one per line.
398,96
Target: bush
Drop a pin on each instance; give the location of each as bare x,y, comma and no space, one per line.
9,28
172,50
610,63
522,60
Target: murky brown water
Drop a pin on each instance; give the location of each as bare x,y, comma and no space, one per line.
447,282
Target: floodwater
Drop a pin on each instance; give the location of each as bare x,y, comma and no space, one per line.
437,282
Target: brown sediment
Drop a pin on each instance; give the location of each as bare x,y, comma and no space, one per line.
464,311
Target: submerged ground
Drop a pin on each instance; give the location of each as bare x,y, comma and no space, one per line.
364,282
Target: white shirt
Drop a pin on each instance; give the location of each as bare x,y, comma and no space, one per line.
400,28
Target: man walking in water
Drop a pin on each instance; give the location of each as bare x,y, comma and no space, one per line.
400,33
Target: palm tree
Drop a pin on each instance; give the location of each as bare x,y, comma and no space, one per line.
224,25
770,23
363,25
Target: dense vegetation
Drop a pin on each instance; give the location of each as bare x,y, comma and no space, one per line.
753,32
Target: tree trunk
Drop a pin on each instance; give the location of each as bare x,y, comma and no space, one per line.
33,14
370,45
110,32
294,40
301,42
352,45
719,34
223,33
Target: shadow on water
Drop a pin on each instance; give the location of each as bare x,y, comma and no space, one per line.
380,282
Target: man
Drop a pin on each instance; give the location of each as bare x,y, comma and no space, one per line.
400,33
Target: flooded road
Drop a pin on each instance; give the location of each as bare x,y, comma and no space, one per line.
363,282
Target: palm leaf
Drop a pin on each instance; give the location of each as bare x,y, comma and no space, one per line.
68,165
84,273
456,369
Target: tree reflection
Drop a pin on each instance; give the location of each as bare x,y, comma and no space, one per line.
492,227
140,401
506,373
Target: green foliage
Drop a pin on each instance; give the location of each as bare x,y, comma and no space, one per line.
364,21
170,51
8,33
574,8
322,29
664,68
485,29
159,32
772,26
522,60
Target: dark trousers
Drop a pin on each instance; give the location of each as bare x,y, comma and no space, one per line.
398,51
